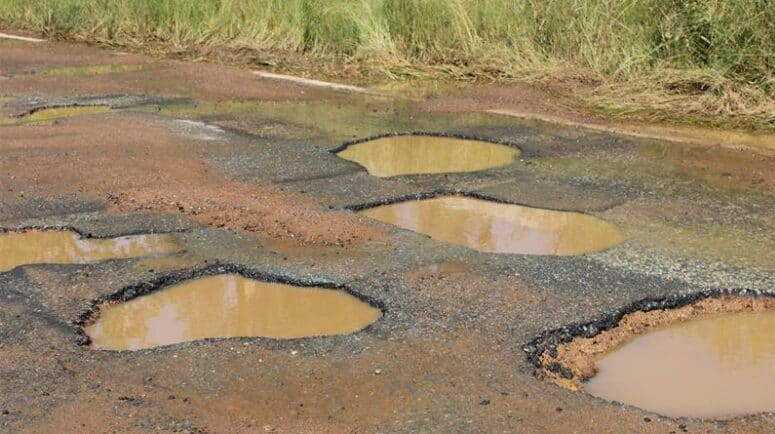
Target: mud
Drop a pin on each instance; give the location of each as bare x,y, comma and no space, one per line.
717,165
498,227
412,155
65,247
227,306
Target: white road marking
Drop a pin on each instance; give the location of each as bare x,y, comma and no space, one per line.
20,38
315,83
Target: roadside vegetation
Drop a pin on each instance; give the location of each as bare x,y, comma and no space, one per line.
698,60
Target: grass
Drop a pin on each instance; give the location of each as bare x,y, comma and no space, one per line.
641,57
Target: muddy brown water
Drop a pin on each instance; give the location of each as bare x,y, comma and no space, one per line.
410,155
66,247
712,367
228,305
500,228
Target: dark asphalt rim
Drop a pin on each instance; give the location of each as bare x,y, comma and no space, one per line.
347,144
453,192
34,110
103,101
480,196
138,289
549,339
84,234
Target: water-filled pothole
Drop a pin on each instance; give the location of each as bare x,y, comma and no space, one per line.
47,116
498,227
711,359
709,367
419,154
66,247
228,305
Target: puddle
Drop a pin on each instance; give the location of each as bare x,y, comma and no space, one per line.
48,116
228,306
500,228
83,71
66,247
716,165
408,155
716,366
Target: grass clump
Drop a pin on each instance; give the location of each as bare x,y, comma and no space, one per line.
723,50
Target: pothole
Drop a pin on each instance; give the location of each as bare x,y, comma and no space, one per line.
48,116
228,305
67,247
498,227
714,358
425,154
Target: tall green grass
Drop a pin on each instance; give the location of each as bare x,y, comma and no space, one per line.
722,39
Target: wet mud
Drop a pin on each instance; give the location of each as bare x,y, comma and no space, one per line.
717,165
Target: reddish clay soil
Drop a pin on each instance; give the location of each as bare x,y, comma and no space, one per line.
150,170
147,168
540,101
